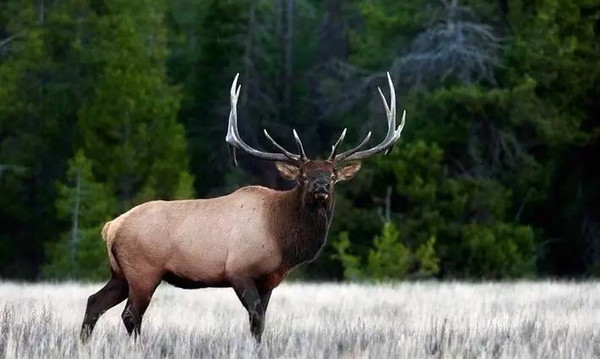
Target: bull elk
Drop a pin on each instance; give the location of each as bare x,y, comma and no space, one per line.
248,240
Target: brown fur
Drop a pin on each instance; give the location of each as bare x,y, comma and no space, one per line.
213,241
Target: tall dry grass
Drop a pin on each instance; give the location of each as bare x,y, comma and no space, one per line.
408,320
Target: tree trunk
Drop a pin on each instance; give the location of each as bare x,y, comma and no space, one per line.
75,221
288,60
248,54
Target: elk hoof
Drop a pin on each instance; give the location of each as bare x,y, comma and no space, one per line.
85,334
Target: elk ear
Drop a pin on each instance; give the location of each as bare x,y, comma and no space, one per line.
348,171
288,170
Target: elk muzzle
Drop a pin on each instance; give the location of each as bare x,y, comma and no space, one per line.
321,189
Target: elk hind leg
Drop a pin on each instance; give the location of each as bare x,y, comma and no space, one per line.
137,303
113,293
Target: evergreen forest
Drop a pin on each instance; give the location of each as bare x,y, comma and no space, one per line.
106,104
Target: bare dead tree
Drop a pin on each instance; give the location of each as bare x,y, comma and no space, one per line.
4,44
455,45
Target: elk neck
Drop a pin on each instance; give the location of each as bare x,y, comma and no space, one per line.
302,225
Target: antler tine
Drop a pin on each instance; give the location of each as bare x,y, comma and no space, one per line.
279,147
391,137
385,104
348,153
401,126
397,133
392,116
235,141
232,124
334,148
300,146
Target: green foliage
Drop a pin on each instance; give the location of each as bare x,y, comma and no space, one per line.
87,205
133,110
445,217
388,258
385,20
207,39
351,263
417,174
36,118
79,74
499,251
427,259
495,176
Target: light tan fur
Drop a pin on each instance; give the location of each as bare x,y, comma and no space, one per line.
204,240
109,235
108,239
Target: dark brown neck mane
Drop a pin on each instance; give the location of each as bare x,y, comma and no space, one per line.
302,225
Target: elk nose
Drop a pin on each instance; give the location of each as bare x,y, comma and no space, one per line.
321,187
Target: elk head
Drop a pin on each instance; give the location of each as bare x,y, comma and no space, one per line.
316,177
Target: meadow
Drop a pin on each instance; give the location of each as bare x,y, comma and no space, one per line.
404,320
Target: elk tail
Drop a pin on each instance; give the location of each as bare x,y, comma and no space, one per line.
108,235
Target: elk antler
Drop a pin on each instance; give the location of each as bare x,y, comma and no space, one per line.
392,136
235,141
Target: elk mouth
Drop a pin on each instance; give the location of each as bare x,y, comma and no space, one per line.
322,196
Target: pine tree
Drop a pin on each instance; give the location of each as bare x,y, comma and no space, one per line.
86,204
129,125
38,109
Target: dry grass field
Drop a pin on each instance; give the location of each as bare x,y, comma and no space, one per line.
407,320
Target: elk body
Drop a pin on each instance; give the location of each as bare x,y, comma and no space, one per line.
248,240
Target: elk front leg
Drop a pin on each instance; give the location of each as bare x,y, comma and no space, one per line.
259,325
255,303
127,317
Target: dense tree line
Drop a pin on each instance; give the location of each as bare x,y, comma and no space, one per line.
105,104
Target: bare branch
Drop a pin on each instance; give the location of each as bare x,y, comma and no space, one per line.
4,43
455,45
9,39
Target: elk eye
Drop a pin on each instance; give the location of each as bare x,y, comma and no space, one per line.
304,177
333,178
